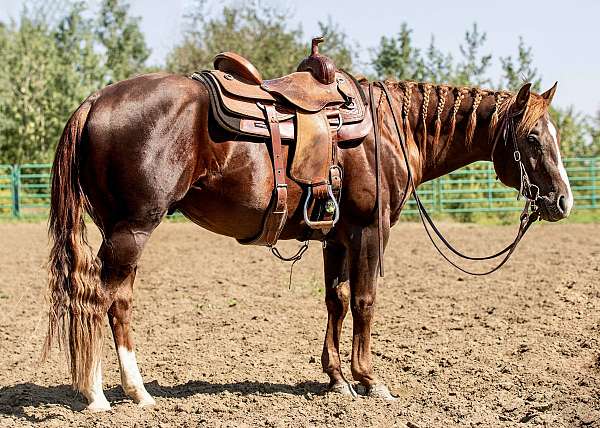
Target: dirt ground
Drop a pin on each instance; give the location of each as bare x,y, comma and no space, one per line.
222,341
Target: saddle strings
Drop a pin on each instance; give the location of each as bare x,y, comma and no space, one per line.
295,258
526,218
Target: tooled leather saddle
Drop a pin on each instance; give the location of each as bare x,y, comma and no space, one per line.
312,110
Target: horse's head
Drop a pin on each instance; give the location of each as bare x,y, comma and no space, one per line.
527,154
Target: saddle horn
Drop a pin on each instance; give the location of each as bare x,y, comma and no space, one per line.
320,66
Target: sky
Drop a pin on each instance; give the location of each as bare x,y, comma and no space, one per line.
564,35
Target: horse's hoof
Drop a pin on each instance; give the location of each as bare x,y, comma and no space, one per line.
141,397
380,391
98,406
146,401
343,388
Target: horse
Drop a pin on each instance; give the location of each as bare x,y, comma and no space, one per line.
143,147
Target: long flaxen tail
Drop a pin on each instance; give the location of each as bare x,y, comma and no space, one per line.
76,298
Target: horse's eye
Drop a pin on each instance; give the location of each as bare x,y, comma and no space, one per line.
533,139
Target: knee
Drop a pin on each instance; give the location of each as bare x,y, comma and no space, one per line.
338,296
363,304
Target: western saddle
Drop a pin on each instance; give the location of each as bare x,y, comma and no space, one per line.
312,110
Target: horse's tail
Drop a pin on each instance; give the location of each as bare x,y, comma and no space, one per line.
76,298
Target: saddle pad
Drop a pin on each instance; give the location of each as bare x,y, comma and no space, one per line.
302,90
236,123
313,152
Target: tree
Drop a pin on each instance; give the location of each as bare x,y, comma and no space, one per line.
576,135
337,47
519,70
397,58
438,66
473,68
52,60
125,49
80,65
28,100
260,33
595,134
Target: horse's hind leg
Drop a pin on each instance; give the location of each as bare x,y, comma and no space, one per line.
119,316
337,299
120,253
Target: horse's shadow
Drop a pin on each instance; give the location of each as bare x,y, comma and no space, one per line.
16,398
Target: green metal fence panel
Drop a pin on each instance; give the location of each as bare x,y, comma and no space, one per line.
475,189
6,191
584,175
34,189
25,190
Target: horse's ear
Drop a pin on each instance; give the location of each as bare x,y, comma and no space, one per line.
549,94
523,97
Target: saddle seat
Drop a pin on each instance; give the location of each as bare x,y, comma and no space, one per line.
300,89
314,108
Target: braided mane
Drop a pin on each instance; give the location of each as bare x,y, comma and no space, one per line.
503,101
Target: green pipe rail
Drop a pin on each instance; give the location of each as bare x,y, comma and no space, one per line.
25,190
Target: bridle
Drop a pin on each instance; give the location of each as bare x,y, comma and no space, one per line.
528,190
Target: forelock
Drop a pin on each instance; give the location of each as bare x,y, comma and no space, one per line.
536,108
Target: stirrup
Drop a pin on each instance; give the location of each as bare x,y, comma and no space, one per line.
323,224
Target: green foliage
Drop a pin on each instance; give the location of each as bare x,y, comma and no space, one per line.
397,58
258,34
520,70
51,62
579,137
59,52
594,129
124,44
438,66
262,34
39,80
473,67
337,47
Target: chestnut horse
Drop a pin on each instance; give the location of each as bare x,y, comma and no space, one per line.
140,148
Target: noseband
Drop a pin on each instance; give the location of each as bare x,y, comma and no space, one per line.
527,189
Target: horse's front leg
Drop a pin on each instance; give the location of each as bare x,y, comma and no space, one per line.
337,299
364,264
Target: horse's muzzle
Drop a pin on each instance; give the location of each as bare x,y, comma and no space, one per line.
553,207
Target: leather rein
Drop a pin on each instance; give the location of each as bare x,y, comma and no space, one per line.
528,190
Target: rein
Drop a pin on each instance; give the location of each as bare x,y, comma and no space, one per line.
529,191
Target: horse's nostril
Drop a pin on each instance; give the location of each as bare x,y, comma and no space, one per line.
562,204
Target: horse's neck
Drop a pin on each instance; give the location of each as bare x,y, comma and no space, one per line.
463,116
